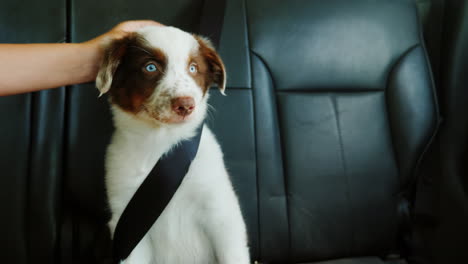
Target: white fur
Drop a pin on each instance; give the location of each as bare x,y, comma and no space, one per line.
203,223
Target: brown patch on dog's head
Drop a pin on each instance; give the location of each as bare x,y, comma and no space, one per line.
210,67
130,71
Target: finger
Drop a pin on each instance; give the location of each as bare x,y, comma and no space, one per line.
131,26
149,23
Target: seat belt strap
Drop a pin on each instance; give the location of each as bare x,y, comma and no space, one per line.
211,23
159,187
434,30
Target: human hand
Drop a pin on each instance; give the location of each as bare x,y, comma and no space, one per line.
97,45
120,31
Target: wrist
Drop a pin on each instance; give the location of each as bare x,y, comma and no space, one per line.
92,53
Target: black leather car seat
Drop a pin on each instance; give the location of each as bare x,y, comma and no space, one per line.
330,107
344,109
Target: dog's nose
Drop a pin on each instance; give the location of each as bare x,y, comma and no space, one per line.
183,106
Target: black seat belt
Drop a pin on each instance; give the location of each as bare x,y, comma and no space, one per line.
158,187
211,22
433,34
164,179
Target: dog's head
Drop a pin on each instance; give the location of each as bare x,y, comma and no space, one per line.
161,74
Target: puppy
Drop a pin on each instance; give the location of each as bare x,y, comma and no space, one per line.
157,81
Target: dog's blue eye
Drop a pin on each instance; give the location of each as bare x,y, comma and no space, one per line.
151,67
193,68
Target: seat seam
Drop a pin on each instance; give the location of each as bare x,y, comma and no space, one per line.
344,166
286,195
254,118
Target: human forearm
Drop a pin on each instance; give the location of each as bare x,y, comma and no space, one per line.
32,67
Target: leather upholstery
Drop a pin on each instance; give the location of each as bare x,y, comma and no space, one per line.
451,235
31,157
354,108
327,115
365,260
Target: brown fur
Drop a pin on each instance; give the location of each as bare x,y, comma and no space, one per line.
211,67
131,84
202,68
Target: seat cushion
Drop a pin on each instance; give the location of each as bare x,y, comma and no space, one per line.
340,124
364,260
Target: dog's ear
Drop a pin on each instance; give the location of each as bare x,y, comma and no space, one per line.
113,54
216,70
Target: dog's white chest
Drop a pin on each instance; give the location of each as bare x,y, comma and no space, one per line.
181,229
202,212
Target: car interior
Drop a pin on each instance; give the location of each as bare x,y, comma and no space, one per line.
344,130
